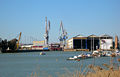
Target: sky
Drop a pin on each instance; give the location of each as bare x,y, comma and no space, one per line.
83,17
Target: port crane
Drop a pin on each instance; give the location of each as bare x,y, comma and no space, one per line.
46,35
18,41
63,36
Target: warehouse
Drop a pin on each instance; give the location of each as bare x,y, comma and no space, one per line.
106,42
92,42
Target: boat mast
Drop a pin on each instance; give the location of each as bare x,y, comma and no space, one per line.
91,44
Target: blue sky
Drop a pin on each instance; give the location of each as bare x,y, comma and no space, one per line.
84,17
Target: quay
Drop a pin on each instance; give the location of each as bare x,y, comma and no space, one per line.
76,50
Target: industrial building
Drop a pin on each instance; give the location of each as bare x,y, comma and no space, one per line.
26,47
55,47
38,45
92,42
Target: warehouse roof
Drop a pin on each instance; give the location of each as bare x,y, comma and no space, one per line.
80,35
105,35
92,35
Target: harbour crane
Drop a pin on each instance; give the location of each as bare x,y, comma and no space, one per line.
18,41
63,35
46,35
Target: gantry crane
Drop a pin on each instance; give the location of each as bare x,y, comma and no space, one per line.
18,41
63,35
46,35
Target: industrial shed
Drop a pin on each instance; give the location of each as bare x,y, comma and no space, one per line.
91,42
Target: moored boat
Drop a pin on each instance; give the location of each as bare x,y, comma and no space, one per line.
42,53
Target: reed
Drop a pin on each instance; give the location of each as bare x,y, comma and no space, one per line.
92,71
95,71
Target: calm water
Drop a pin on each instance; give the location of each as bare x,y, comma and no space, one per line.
51,64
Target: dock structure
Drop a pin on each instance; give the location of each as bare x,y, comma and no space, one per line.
89,43
76,49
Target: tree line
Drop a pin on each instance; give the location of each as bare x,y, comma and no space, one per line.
6,45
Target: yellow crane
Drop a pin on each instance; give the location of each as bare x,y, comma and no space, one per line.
18,41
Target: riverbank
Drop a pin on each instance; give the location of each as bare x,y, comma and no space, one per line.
52,64
96,71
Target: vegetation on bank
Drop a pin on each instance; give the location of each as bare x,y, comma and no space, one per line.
112,70
95,71
8,45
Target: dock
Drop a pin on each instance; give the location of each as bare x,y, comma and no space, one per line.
76,49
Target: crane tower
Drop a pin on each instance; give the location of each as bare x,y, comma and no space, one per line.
46,35
63,35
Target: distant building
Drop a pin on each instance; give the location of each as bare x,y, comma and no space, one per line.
38,45
106,42
26,46
92,42
77,42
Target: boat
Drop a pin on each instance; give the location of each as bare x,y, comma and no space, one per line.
85,56
108,53
80,57
72,58
42,53
117,52
99,53
89,55
95,52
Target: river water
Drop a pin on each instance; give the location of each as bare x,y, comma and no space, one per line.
53,64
